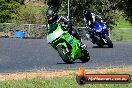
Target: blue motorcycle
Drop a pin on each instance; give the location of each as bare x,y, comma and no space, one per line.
99,35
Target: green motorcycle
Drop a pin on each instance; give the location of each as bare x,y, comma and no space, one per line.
66,45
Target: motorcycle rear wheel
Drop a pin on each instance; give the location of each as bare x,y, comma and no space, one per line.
86,56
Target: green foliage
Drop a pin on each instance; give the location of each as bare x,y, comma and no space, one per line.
126,6
8,9
16,11
54,4
121,34
29,14
123,23
20,1
106,8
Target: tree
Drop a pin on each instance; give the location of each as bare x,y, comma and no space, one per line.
126,6
105,8
54,4
8,9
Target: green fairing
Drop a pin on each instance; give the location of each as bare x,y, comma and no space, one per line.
65,37
73,42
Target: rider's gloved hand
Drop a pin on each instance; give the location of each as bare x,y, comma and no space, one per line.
69,25
88,28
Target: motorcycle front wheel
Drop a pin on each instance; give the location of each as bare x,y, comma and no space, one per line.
109,42
99,41
66,56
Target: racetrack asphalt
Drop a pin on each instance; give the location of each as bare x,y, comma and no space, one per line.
35,54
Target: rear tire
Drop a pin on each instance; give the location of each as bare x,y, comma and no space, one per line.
109,42
65,57
86,56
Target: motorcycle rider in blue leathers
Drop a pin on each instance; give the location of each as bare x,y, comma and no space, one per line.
90,20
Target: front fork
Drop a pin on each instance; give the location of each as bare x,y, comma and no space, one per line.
73,51
103,34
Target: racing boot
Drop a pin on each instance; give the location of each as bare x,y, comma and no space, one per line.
81,45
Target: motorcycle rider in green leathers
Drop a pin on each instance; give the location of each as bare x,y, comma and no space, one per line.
54,18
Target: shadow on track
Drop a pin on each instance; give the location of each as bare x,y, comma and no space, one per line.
71,63
100,47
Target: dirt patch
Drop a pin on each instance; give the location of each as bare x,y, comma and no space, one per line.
49,74
30,75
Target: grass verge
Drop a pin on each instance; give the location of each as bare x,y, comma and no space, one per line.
121,34
65,79
122,31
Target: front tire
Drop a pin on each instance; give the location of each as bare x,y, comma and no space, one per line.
65,57
109,42
99,41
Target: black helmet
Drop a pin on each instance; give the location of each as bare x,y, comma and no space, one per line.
88,14
51,14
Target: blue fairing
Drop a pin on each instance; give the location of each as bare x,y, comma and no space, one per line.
104,26
100,28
